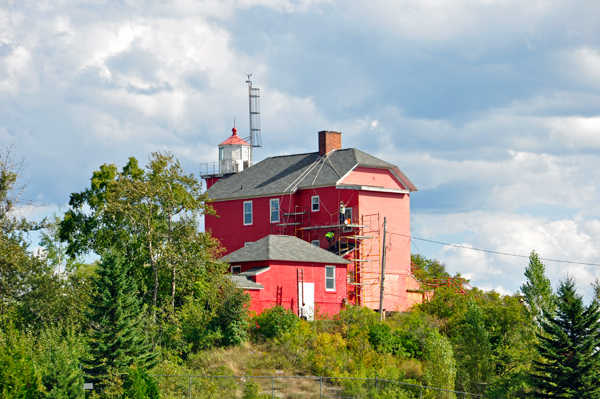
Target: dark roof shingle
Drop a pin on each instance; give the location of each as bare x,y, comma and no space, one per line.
286,248
244,282
286,174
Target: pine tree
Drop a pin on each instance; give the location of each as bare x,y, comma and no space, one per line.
117,340
569,362
63,379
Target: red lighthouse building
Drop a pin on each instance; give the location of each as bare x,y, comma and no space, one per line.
335,199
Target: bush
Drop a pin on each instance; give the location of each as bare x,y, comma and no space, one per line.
398,343
274,322
252,390
140,385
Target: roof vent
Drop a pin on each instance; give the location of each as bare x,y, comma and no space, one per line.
329,141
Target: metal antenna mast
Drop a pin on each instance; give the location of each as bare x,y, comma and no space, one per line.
254,103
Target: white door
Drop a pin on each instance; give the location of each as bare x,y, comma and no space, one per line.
306,300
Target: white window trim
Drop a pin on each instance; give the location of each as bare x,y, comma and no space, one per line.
316,243
326,278
244,213
271,210
239,268
318,203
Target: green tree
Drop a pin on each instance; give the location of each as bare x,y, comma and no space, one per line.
140,385
473,351
21,271
428,269
568,348
117,340
537,291
440,366
63,378
511,333
151,215
19,377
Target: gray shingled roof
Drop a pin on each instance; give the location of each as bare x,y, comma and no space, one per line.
287,248
245,282
286,174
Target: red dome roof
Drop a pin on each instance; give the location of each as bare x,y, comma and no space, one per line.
234,139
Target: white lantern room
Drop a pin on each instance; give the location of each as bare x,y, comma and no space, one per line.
235,154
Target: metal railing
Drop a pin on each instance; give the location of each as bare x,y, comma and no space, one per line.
280,386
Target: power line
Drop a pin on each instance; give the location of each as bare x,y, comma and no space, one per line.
496,252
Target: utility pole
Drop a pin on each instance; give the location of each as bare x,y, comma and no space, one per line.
382,271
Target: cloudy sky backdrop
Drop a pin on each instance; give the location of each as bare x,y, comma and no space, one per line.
491,107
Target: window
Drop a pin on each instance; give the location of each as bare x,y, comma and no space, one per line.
221,153
274,210
316,242
329,278
247,213
314,200
235,270
348,219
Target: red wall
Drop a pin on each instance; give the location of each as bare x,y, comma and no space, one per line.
233,234
281,286
229,226
396,208
373,177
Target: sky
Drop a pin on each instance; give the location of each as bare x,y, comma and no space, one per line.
490,107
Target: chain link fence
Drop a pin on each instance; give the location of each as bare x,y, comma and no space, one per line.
280,386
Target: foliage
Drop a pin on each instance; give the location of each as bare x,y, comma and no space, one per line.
221,322
537,291
151,215
383,339
440,366
274,322
473,351
19,377
118,340
140,385
63,378
570,360
428,269
252,390
231,316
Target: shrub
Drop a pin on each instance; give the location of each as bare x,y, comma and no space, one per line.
140,385
230,324
384,340
274,322
252,390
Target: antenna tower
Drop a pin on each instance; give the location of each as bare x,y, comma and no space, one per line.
254,102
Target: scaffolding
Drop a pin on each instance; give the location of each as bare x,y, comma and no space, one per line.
359,237
364,241
292,222
459,285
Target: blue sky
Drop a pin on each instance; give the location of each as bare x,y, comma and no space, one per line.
492,108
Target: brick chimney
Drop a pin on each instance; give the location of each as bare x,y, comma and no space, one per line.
329,141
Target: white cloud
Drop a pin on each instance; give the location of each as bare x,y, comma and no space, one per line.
566,239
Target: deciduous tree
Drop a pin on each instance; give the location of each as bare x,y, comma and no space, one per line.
537,291
151,215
